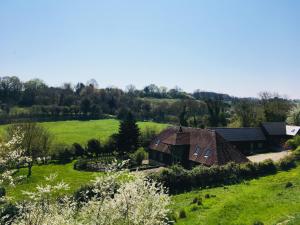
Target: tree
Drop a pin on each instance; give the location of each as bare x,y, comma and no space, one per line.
78,150
85,105
94,147
216,111
36,141
276,107
115,200
10,90
182,117
294,116
128,137
249,113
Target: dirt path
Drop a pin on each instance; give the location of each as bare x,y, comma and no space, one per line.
275,156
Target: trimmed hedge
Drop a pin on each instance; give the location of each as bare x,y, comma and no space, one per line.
177,179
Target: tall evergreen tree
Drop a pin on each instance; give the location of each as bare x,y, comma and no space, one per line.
128,137
182,117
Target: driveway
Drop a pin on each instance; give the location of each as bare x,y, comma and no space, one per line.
275,156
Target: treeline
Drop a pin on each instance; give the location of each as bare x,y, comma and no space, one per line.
35,100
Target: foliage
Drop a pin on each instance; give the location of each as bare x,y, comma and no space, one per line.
138,156
114,201
294,142
178,179
294,116
94,147
128,136
276,107
248,113
265,199
36,141
12,156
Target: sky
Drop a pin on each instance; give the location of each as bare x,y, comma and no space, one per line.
239,47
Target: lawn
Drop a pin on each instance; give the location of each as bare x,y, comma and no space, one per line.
68,132
265,199
65,173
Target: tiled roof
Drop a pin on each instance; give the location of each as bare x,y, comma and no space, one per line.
275,128
241,134
202,145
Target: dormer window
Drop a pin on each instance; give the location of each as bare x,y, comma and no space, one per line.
157,142
207,153
197,150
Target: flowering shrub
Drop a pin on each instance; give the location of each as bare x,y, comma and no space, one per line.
11,158
116,198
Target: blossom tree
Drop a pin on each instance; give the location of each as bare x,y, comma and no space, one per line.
12,155
117,198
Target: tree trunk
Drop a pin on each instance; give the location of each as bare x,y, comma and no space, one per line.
29,169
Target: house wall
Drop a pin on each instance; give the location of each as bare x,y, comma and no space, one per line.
251,147
159,157
179,155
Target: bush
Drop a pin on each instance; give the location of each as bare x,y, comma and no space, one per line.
84,194
94,147
266,167
80,164
8,212
194,208
138,156
65,155
294,142
2,192
287,163
288,184
177,179
258,223
182,214
78,150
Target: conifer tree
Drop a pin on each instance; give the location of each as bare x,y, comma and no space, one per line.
128,137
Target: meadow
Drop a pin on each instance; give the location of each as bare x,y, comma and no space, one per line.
265,200
68,132
65,172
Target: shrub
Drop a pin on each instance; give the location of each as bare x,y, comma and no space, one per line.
2,192
258,223
94,147
8,212
207,196
287,163
172,218
65,155
194,208
294,142
197,200
84,194
288,184
138,156
80,164
266,167
78,150
182,214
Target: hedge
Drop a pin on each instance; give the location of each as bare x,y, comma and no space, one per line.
177,179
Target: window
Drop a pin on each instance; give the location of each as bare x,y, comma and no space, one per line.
157,142
197,150
207,153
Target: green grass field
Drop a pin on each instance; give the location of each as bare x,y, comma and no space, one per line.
265,199
65,173
68,132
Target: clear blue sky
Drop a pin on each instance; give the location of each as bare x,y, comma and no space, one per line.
240,47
